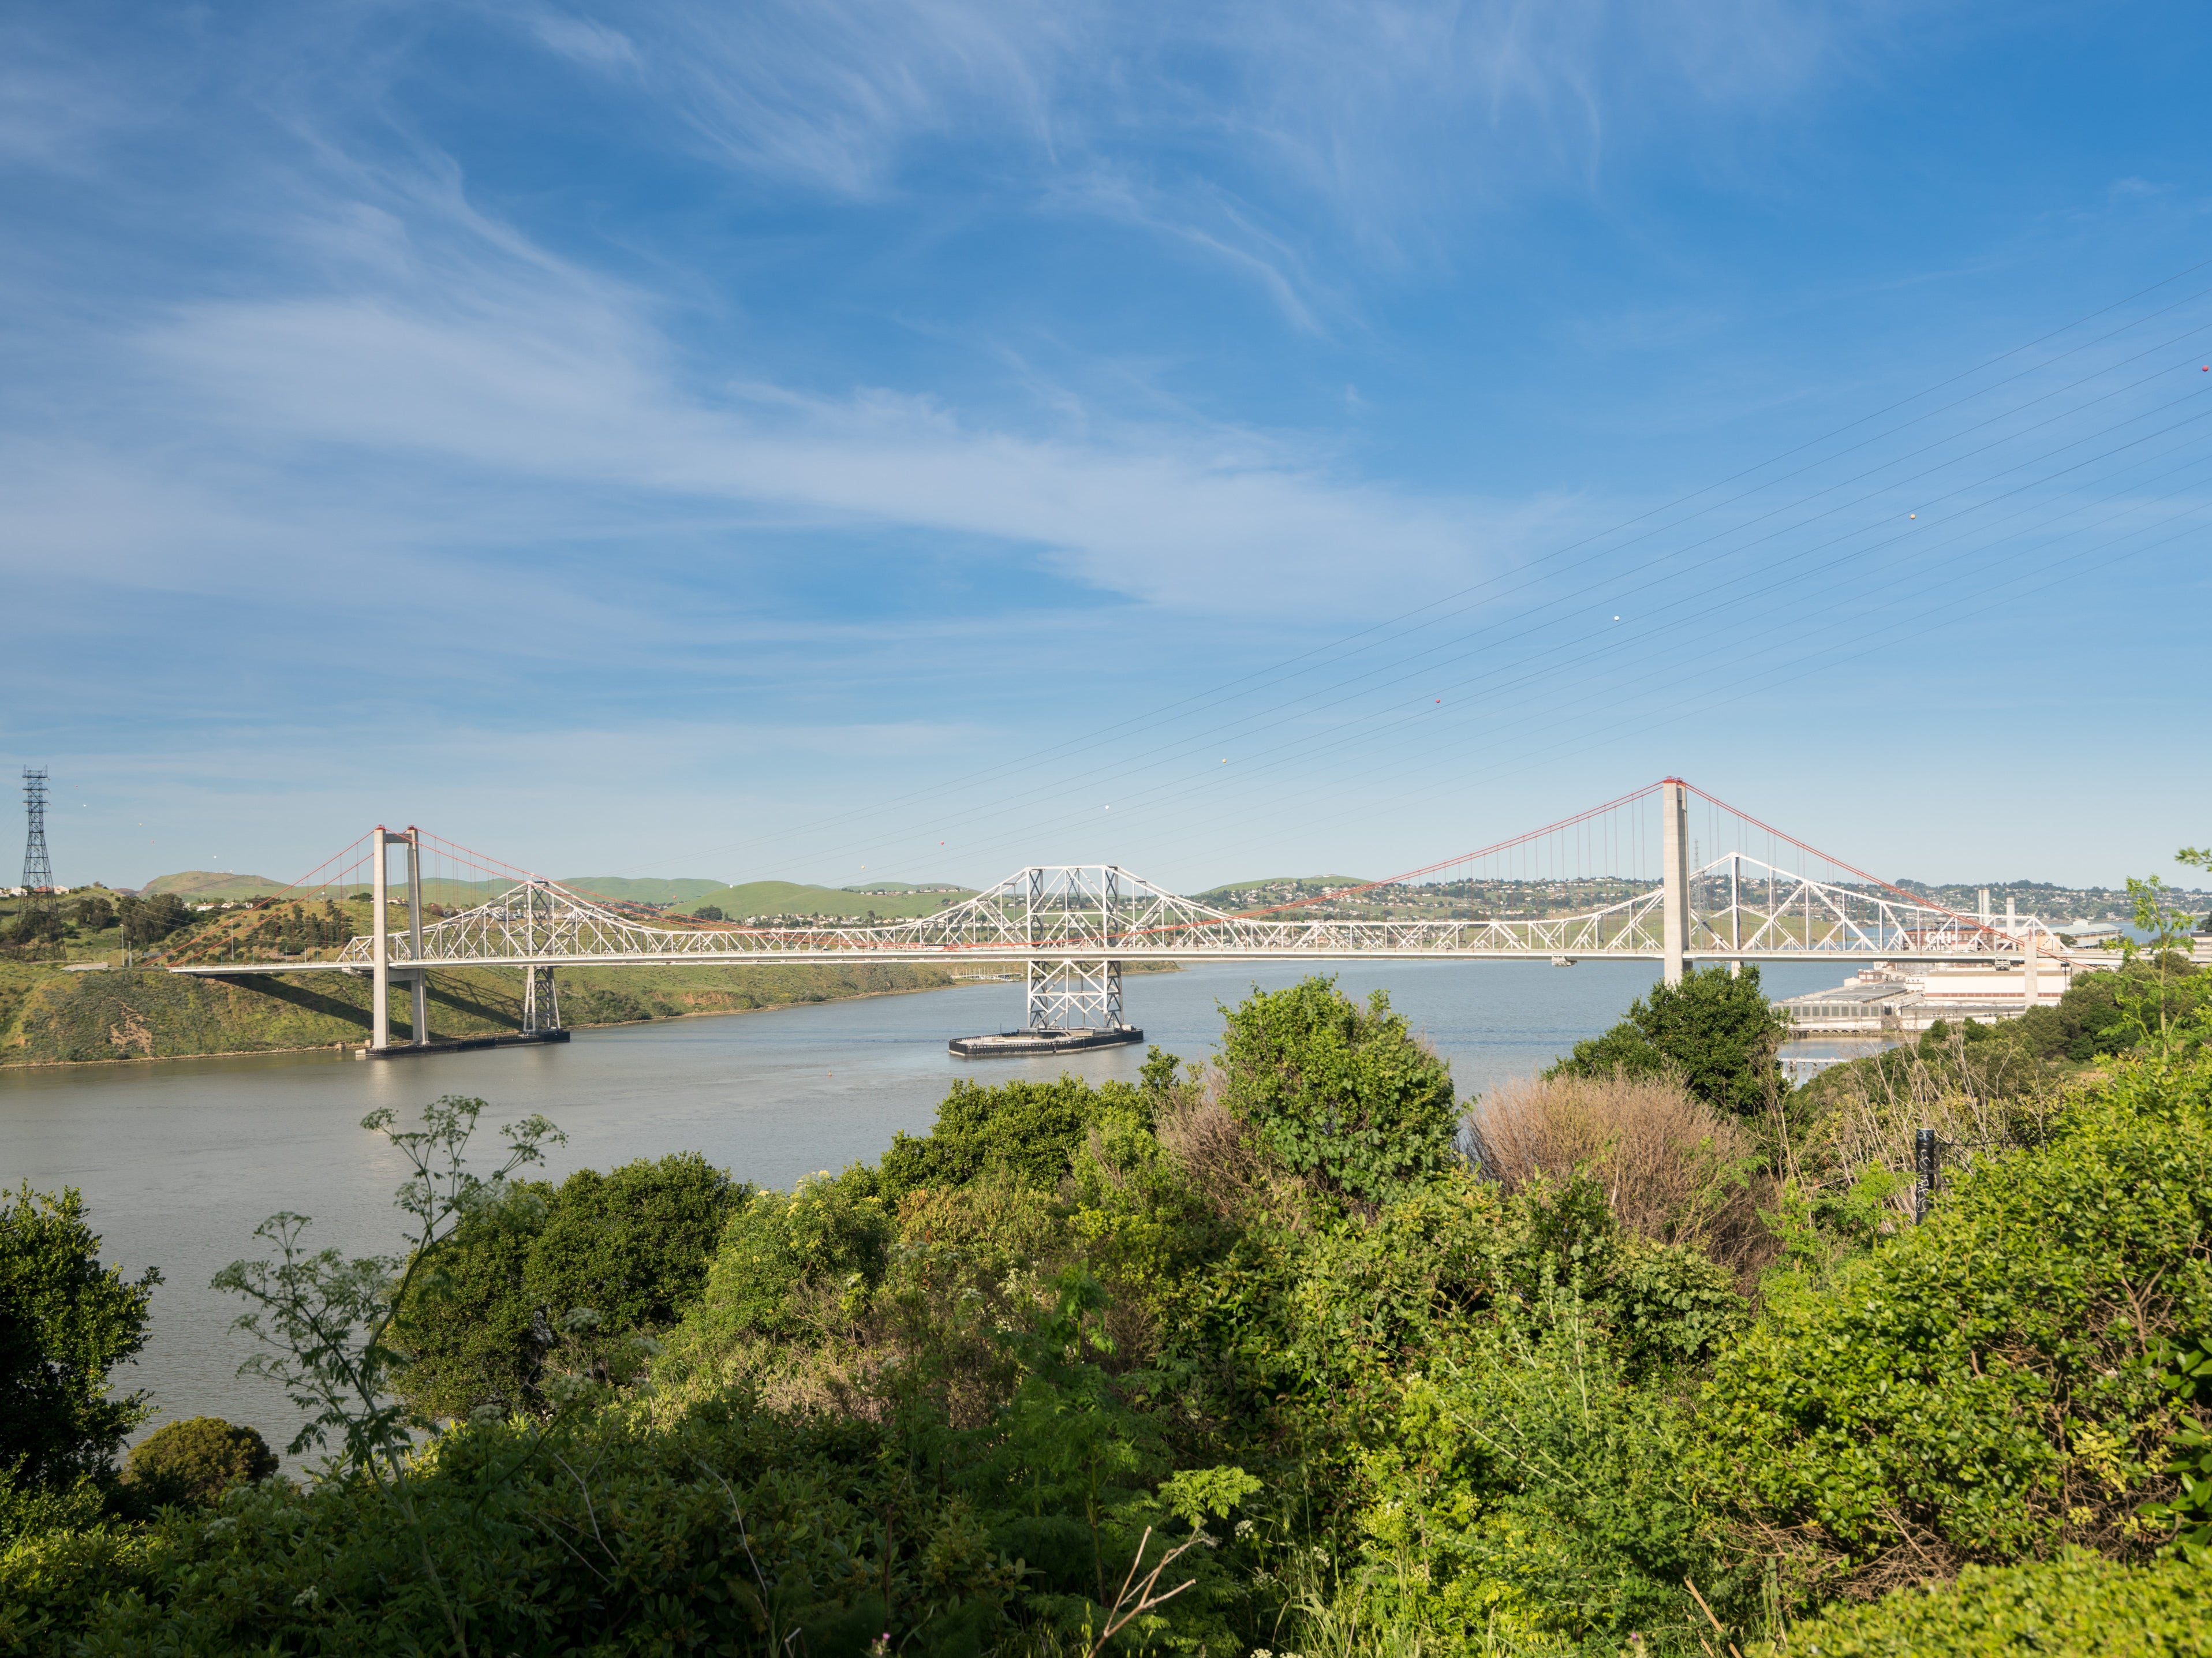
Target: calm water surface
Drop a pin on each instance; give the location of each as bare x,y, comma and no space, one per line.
181,1159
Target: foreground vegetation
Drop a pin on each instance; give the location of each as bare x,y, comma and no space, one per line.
1291,1353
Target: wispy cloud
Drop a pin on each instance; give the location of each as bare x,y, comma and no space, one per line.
435,334
1382,115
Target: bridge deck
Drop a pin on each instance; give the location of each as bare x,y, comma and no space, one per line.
999,956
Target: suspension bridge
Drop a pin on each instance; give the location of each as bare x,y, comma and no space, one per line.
1761,896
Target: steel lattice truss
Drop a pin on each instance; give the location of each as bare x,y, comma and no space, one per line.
1740,908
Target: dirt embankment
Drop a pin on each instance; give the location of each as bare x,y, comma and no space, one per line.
48,1016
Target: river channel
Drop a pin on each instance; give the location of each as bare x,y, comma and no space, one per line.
179,1160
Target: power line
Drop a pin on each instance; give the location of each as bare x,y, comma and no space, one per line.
1034,757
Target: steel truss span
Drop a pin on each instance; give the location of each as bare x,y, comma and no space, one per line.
1735,908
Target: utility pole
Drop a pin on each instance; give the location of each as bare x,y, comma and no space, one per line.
1674,875
38,871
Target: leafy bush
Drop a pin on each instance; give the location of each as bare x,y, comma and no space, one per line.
585,1269
1344,1096
65,1322
196,1461
2079,1605
1030,1129
720,1529
1979,1388
1715,1032
827,1238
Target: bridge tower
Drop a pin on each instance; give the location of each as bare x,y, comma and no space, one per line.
1674,876
380,971
1073,996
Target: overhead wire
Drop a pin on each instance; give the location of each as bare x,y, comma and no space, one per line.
1297,749
1038,757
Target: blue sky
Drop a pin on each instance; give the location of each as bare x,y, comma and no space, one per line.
838,440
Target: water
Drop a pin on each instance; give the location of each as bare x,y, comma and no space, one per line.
179,1160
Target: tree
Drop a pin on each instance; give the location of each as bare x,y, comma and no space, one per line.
1714,1031
562,1277
709,913
65,1322
1343,1094
1031,1129
148,920
197,1461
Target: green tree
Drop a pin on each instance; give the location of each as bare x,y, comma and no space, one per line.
148,920
1715,1031
568,1277
1031,1129
1346,1095
65,1322
197,1461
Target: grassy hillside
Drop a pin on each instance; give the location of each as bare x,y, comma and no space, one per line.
790,898
205,884
678,890
48,1016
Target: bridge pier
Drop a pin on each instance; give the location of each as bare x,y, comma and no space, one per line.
1070,1004
541,1000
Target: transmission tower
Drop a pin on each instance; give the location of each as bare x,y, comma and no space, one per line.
38,871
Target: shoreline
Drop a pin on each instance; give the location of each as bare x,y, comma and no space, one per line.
612,1024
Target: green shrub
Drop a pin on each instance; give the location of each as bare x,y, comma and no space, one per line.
2079,1607
1029,1129
1714,1031
827,1239
568,1277
719,1529
196,1461
1345,1096
1980,1389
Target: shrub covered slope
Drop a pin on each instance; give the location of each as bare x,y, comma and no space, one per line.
1293,1353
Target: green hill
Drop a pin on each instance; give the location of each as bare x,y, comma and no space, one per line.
790,898
890,899
676,889
217,884
210,884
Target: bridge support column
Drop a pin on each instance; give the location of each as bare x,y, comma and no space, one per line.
1675,876
380,944
2028,972
541,1000
420,984
1065,995
1071,1005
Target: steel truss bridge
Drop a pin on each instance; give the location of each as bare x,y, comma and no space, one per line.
1072,926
